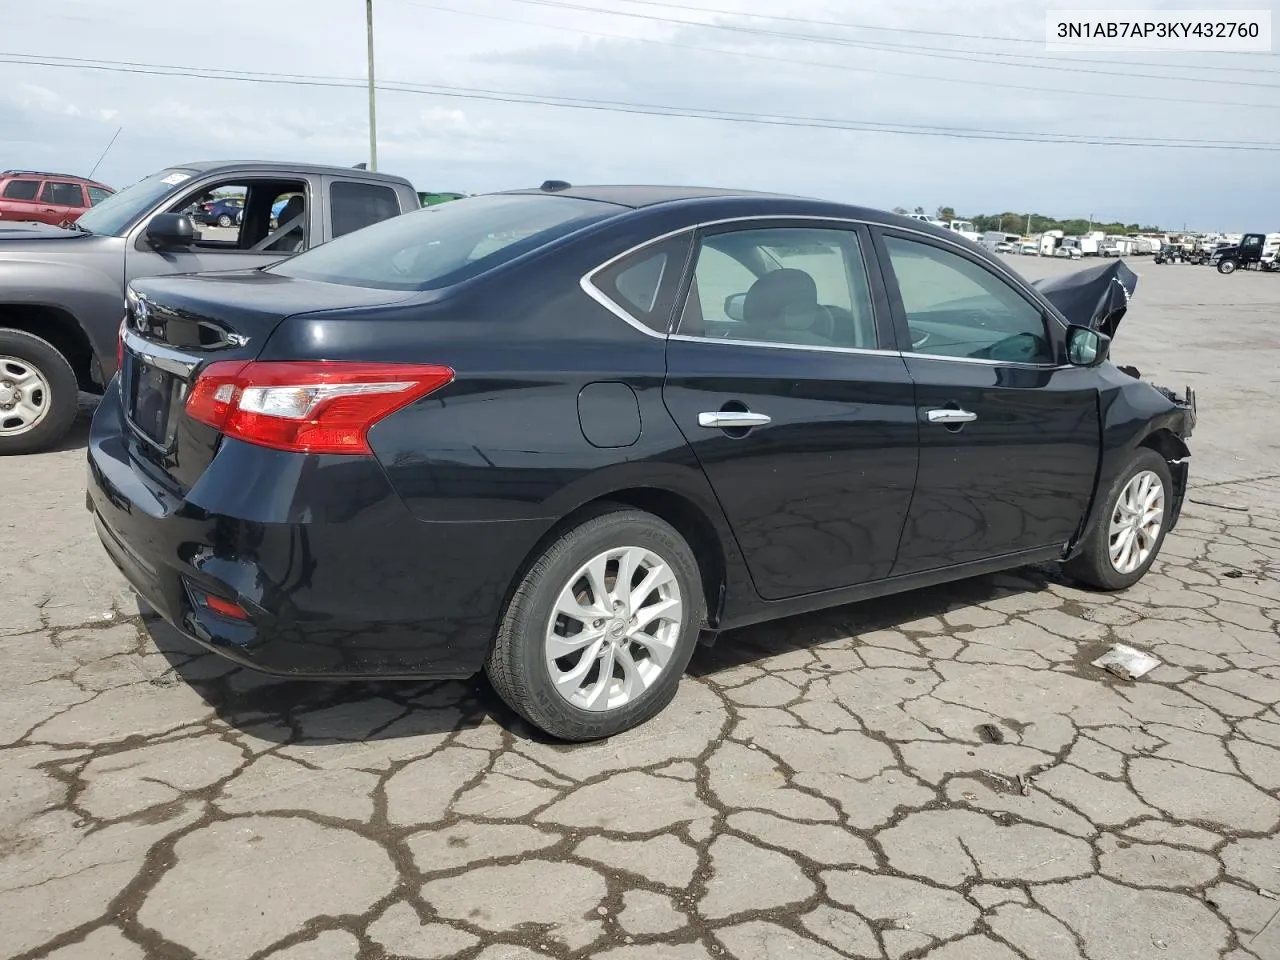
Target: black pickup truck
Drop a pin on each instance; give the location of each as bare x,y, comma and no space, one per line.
62,289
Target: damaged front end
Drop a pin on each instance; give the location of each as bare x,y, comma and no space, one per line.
1098,298
1135,412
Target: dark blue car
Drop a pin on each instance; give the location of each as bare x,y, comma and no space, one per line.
220,213
560,434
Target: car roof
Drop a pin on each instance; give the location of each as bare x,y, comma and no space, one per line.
320,169
645,195
45,175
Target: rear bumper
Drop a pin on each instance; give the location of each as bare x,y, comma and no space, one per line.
336,576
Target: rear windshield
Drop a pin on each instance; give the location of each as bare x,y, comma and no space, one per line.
442,245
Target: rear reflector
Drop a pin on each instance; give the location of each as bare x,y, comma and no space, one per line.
322,406
225,608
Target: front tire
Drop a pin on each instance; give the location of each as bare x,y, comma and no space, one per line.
1124,543
1227,266
38,393
601,627
224,220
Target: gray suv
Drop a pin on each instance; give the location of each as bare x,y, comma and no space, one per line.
62,289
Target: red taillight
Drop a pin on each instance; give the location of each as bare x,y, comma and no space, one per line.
323,406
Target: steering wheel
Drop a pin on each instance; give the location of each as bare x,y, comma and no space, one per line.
919,340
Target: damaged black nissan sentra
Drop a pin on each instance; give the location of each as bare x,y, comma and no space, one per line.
559,434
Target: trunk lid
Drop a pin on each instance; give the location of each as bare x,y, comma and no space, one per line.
176,326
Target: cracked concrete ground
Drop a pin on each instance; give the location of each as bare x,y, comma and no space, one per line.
939,775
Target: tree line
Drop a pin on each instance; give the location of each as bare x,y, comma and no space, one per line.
1024,223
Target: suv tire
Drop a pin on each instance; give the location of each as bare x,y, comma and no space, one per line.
32,369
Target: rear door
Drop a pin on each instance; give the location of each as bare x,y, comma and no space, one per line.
1009,434
782,377
61,201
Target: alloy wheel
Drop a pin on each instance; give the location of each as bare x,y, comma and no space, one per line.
1136,522
614,628
25,397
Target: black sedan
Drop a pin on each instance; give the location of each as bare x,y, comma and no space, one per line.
560,434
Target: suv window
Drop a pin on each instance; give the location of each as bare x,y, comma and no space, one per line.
97,195
62,194
21,189
357,205
644,284
957,308
788,285
441,245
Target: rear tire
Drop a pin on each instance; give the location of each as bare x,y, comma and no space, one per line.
224,220
38,393
1103,561
579,573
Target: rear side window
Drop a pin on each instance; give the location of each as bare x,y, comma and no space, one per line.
97,195
62,194
21,189
358,205
445,244
644,284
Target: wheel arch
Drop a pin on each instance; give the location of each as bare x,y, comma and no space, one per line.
679,510
60,328
1166,443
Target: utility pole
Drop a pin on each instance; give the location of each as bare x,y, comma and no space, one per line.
373,115
1028,224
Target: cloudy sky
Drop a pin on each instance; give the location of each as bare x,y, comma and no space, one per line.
454,68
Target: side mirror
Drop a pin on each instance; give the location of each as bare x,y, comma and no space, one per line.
735,306
170,230
1086,347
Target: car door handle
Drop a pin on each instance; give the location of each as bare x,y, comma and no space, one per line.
951,415
732,419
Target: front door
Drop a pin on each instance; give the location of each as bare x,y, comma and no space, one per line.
803,422
261,236
1009,436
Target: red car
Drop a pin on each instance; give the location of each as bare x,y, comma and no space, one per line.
54,198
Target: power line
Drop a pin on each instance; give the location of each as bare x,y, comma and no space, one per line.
877,71
909,49
626,107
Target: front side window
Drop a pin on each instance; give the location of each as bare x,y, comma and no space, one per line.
21,189
62,194
254,216
445,244
787,285
957,308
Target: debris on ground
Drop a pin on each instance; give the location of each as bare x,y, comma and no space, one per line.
990,733
1126,662
1268,894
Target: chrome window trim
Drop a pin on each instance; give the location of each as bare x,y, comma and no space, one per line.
786,346
594,292
587,282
